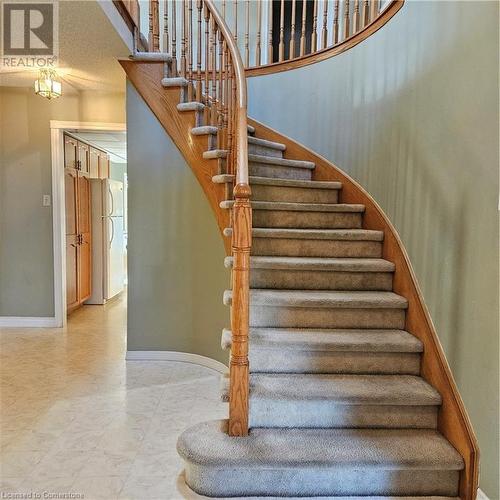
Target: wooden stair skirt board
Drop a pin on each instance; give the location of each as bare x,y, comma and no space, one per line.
350,393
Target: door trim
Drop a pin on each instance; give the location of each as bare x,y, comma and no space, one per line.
57,129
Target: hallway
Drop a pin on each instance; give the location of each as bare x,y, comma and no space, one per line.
77,418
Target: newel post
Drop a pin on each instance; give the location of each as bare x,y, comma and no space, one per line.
241,243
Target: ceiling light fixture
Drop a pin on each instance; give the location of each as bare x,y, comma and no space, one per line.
47,84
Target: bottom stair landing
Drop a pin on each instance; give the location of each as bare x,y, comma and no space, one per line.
319,462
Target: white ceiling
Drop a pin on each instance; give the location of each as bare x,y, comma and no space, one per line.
114,143
89,47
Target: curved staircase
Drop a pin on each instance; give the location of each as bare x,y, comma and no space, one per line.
338,385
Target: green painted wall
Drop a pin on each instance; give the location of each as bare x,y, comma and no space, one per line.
412,113
175,252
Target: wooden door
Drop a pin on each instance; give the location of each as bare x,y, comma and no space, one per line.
83,158
70,152
103,165
94,163
72,237
85,244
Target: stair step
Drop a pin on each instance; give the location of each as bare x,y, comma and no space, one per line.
257,146
204,130
177,81
283,168
316,273
315,462
304,215
294,350
324,309
214,154
315,242
286,190
151,57
323,340
190,106
342,401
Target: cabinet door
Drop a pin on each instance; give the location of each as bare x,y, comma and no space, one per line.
71,193
83,158
103,166
70,152
94,163
85,248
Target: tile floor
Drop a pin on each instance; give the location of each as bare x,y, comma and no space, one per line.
77,418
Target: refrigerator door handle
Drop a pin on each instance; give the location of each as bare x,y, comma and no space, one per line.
112,202
112,231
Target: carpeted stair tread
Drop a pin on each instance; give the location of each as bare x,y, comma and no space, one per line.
151,57
204,130
300,207
177,81
281,162
265,143
318,263
311,339
190,106
343,389
323,299
274,181
314,234
208,444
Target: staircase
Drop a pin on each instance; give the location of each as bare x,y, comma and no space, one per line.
338,386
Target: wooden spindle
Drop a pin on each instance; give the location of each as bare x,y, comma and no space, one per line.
190,49
270,36
228,109
258,47
347,20
166,37
235,32
281,46
220,106
314,34
324,31
183,38
154,26
199,93
206,99
374,6
213,86
356,17
336,22
174,38
291,54
303,30
247,39
366,12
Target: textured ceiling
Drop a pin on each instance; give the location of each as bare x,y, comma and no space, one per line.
89,47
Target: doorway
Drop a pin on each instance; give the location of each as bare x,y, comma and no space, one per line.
89,214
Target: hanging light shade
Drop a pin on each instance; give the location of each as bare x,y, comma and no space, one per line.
47,84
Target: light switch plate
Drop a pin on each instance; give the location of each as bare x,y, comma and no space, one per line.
46,200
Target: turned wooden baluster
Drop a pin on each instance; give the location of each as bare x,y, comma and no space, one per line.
247,35
366,12
303,30
154,26
235,32
374,6
258,47
190,49
270,36
291,55
314,34
324,31
206,99
229,116
174,38
166,38
281,46
336,22
183,39
213,86
356,19
346,20
220,108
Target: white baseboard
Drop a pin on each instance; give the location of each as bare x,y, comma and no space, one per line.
184,357
27,322
481,495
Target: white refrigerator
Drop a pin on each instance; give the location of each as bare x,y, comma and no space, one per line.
108,241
